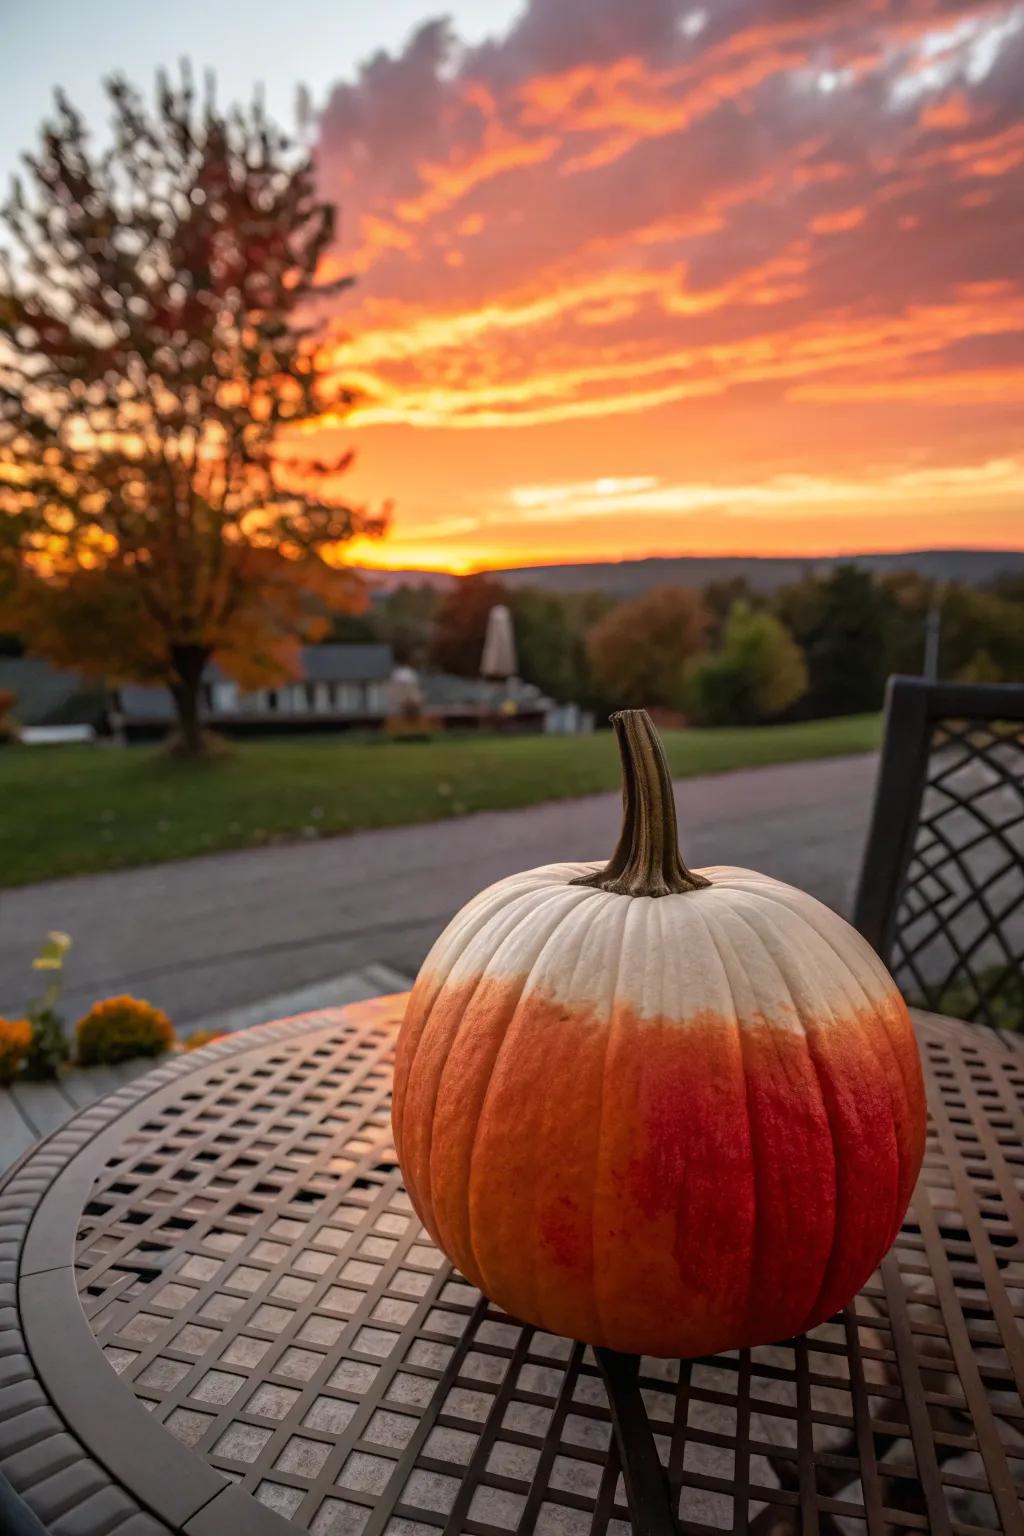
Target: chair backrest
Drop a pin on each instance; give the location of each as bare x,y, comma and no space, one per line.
941,889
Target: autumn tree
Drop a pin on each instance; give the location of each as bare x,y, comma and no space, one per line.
460,624
757,672
639,649
161,349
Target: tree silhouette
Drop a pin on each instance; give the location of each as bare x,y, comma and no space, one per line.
161,348
839,623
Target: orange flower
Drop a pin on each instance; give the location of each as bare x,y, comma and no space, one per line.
15,1041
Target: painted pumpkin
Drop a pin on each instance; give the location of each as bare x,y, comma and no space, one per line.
666,1111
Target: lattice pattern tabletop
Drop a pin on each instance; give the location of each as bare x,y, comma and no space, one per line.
271,1316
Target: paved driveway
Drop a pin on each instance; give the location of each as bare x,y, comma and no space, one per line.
225,930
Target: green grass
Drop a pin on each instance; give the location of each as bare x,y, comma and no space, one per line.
71,810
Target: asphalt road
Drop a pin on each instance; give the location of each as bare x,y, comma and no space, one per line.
227,930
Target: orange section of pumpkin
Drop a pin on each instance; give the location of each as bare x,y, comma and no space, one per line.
661,1187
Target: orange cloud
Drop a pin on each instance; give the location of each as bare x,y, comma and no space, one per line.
836,223
951,112
612,235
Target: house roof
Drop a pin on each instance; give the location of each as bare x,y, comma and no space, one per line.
319,664
42,691
347,663
342,663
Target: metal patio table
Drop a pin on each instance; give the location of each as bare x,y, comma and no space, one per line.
219,1315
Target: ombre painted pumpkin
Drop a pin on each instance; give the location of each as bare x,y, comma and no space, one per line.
665,1111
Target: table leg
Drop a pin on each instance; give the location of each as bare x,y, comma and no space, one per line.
647,1488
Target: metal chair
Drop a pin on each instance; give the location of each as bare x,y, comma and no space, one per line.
941,888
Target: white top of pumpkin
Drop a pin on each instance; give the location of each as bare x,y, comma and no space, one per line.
746,946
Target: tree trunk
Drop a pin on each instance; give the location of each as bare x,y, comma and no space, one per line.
188,663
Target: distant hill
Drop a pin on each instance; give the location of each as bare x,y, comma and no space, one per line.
625,578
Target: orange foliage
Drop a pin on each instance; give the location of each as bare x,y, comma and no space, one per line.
15,1042
122,1027
638,650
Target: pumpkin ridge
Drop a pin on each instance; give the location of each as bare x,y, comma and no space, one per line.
595,1186
438,978
715,942
826,1111
875,1047
767,891
429,1195
839,1158
476,984
869,1000
473,983
912,1091
899,1205
898,1209
913,1096
866,1013
772,1029
506,1032
400,1102
466,927
435,979
400,1097
518,907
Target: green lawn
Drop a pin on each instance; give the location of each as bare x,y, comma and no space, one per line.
69,810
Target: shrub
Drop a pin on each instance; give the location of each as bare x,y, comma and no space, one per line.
15,1040
120,1028
758,672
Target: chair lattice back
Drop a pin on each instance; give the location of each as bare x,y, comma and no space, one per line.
941,892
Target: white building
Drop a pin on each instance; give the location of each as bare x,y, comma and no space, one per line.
340,684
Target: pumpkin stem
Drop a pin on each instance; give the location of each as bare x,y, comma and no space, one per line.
646,861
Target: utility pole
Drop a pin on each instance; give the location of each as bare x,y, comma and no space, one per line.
933,637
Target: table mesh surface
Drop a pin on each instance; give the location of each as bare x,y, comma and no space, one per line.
252,1268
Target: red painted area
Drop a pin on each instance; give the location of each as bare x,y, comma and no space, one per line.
665,1186
563,1230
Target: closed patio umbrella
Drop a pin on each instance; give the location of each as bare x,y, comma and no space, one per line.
499,653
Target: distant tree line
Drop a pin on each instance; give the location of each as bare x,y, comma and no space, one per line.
725,655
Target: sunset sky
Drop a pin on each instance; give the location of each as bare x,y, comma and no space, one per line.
648,277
